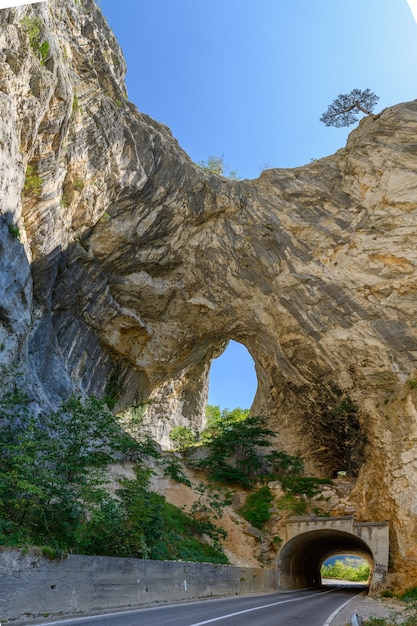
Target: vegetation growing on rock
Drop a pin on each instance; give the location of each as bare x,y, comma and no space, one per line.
54,491
344,109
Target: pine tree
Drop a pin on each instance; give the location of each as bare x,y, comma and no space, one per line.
344,109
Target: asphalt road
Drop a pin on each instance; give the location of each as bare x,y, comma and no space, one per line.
301,608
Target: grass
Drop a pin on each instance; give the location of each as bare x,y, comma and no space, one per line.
33,182
291,503
14,230
180,539
78,184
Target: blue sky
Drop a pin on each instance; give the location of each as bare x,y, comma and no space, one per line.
249,79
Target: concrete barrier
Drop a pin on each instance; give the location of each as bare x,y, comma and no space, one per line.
31,585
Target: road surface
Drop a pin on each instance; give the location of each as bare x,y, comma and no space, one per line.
291,608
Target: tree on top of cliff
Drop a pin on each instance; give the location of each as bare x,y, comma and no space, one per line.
344,110
217,165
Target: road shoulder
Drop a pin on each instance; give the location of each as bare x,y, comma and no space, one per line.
368,606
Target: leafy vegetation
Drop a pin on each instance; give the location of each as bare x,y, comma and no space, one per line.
290,502
211,500
182,437
173,469
218,420
257,507
54,491
233,453
33,27
76,107
348,568
14,230
218,166
409,595
33,182
78,183
234,441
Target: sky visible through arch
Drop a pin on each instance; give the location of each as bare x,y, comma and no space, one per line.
248,80
233,381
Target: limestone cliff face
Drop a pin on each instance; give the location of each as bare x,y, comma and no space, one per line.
125,268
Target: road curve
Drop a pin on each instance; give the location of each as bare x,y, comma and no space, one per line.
302,608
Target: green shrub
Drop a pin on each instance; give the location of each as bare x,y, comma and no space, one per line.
217,165
291,503
14,230
173,469
53,476
233,452
219,420
50,553
211,499
53,466
44,51
409,595
256,507
282,465
304,485
181,533
33,27
182,437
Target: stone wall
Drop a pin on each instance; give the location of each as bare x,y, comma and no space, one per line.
31,585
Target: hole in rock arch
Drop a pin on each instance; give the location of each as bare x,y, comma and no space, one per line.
233,381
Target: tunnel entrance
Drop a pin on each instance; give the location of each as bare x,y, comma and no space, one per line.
232,380
309,542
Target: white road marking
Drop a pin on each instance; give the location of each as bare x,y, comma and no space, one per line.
333,615
259,608
210,621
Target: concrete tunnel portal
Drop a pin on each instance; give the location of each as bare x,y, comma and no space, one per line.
301,558
309,542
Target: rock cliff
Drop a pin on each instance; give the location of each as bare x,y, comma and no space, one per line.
125,268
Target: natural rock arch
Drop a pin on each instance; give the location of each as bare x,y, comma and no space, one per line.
134,265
